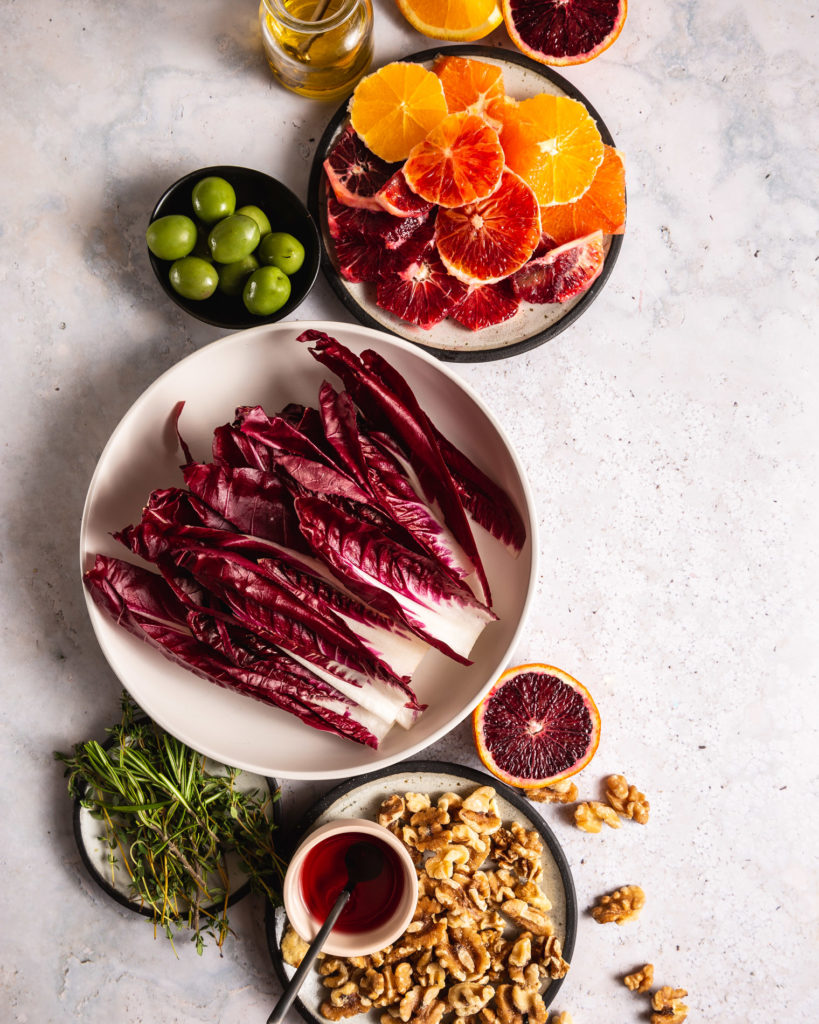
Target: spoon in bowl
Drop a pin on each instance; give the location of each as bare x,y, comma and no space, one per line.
364,861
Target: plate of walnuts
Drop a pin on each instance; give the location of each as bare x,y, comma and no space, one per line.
495,923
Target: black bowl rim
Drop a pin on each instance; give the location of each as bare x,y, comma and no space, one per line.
312,251
124,901
294,836
459,355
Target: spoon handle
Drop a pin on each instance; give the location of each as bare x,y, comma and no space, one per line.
290,993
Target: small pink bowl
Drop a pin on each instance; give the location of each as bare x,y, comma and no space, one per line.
349,943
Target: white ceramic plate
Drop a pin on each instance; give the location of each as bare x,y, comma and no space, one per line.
265,365
533,324
362,798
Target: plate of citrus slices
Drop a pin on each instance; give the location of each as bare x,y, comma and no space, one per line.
469,202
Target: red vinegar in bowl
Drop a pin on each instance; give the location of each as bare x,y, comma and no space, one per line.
372,903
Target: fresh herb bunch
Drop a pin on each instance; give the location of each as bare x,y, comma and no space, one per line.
172,823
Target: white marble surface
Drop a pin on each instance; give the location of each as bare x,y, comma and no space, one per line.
670,437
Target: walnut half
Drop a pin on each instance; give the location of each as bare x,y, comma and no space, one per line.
627,800
668,1005
640,980
593,814
622,905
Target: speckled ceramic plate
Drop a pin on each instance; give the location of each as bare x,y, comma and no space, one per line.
360,798
106,866
533,324
267,366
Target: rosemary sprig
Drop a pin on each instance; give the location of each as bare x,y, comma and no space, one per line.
172,823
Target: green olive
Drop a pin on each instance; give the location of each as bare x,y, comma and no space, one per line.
232,276
267,289
233,238
259,216
213,198
171,237
193,278
282,250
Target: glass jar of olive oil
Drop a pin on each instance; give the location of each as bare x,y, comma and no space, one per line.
316,48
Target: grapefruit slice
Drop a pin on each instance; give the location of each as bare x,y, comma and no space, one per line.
485,241
536,726
461,160
563,272
355,173
562,32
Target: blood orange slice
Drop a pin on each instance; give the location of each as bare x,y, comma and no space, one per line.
423,294
355,173
360,257
343,221
563,272
461,160
602,207
397,198
485,241
564,32
485,305
536,726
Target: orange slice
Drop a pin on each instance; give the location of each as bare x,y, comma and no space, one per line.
536,726
461,160
552,142
394,108
564,31
487,240
472,85
458,20
602,207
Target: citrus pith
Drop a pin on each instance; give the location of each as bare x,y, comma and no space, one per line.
536,726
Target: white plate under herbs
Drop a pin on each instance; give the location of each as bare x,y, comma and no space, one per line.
267,366
362,797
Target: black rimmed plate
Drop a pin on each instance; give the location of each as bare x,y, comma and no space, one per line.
105,866
532,325
361,797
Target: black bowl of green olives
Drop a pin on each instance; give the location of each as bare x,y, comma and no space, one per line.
233,247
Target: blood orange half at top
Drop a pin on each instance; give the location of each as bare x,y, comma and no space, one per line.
485,241
536,726
564,32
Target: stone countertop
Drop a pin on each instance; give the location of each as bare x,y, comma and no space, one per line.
669,436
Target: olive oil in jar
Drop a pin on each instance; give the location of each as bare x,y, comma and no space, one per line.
321,58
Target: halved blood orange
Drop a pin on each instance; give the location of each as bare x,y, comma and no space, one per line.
536,726
471,85
395,107
552,142
564,32
461,160
487,240
562,273
602,207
